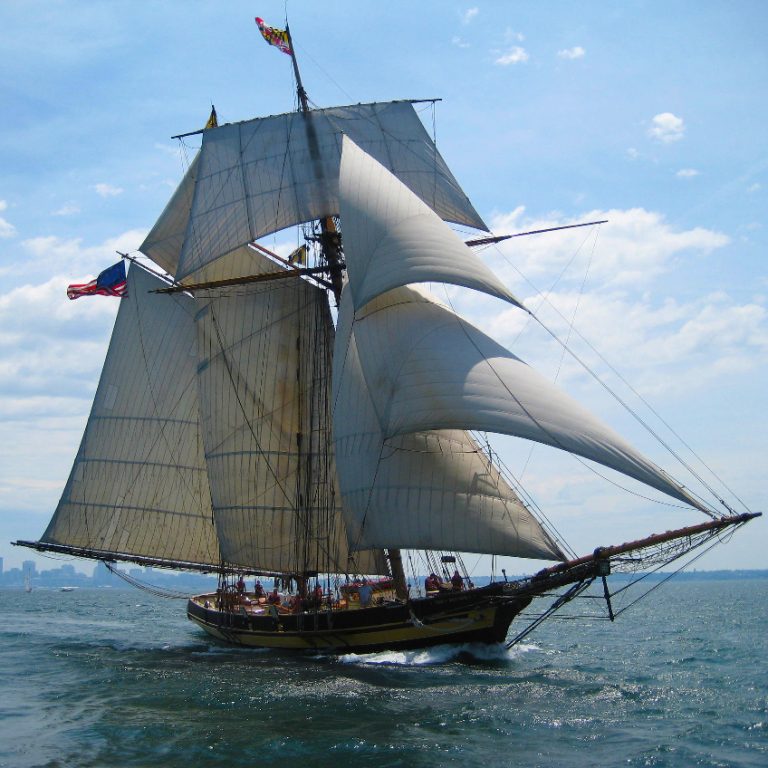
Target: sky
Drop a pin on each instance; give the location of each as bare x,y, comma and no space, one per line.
648,114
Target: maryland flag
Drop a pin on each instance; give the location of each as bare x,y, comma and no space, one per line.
276,37
213,121
299,256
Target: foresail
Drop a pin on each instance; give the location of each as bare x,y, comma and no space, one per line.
264,375
164,241
428,489
392,238
267,174
426,368
139,484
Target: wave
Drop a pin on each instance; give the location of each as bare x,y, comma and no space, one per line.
440,654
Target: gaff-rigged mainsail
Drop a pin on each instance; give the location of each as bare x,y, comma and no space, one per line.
264,377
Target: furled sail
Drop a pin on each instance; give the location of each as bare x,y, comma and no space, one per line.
425,368
139,484
164,241
392,238
264,376
263,175
427,489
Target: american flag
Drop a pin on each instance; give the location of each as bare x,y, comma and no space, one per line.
111,282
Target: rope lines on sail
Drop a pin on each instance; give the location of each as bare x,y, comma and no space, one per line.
621,401
405,146
510,477
291,542
230,373
133,524
170,447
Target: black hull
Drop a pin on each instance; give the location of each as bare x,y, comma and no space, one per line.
475,616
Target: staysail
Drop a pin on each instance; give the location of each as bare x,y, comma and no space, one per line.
263,175
425,368
392,238
425,489
139,484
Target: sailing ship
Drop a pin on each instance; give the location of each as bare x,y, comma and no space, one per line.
318,421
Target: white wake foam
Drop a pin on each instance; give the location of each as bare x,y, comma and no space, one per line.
439,654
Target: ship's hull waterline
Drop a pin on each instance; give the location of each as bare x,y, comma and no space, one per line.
474,616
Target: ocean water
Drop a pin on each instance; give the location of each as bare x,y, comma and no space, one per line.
120,678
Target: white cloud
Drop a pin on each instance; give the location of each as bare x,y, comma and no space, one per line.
469,15
577,52
633,153
36,321
687,173
459,43
515,55
6,228
755,187
51,255
68,209
664,345
171,150
107,190
667,128
510,35
635,246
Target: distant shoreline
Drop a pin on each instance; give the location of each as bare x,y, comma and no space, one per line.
196,583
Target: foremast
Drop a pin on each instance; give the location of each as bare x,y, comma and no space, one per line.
330,245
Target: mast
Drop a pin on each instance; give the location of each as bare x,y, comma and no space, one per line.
330,243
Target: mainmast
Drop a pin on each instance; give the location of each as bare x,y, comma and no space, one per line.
330,243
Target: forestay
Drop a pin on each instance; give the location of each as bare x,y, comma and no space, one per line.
263,175
139,484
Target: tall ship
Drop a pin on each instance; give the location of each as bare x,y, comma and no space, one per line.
313,428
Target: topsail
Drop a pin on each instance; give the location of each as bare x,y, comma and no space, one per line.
260,176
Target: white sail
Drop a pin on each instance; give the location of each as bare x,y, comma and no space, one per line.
426,368
263,175
139,484
431,490
264,377
164,241
392,238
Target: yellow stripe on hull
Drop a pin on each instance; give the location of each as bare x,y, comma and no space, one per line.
475,625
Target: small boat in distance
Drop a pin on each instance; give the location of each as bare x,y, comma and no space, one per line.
319,421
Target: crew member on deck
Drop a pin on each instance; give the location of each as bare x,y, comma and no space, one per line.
456,581
365,593
273,598
258,590
431,583
240,586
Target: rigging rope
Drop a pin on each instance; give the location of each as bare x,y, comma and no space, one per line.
168,594
634,392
